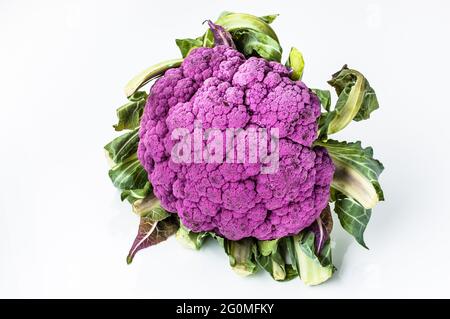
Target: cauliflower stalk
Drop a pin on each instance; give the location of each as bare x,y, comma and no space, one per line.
272,213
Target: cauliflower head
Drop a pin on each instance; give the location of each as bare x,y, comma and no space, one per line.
222,89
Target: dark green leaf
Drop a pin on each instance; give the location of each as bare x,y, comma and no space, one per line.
325,257
324,122
123,147
129,114
356,171
324,98
296,63
253,43
291,273
353,217
151,233
129,175
186,45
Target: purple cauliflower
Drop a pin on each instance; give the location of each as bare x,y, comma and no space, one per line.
222,89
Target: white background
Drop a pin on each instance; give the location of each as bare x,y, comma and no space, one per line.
63,65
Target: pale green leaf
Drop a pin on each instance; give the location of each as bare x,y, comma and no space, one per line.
296,63
269,18
356,171
356,99
149,74
241,254
191,239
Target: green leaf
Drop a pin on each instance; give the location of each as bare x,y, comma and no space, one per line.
269,18
191,239
356,99
123,147
323,124
241,254
356,171
353,217
150,233
149,74
239,22
220,240
296,63
325,257
253,43
129,175
186,45
326,117
324,98
271,256
129,114
274,264
133,195
267,247
150,207
312,270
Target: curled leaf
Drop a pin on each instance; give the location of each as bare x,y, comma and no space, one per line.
296,63
149,74
356,99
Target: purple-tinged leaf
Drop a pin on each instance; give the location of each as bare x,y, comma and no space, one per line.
322,228
221,36
151,233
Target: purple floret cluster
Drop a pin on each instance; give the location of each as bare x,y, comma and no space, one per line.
222,89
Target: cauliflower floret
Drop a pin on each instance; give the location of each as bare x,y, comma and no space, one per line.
220,89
